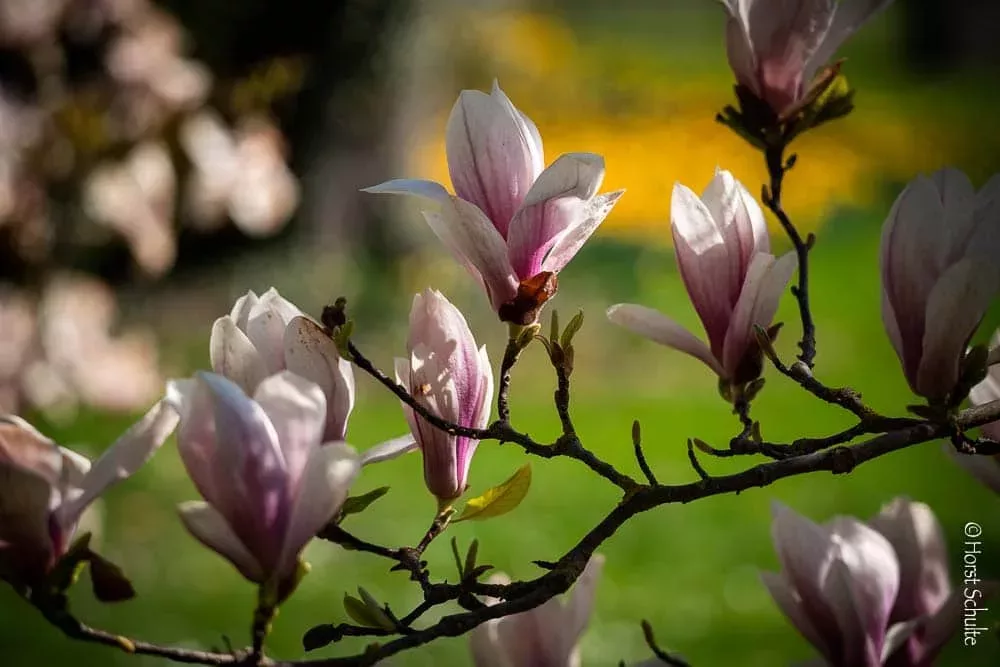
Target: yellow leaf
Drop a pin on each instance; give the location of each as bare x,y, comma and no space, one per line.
500,499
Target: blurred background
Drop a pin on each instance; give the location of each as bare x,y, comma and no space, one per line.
158,159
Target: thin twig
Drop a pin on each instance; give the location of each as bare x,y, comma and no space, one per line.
663,656
640,456
564,446
776,168
693,458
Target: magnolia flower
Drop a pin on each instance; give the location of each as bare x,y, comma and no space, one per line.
985,468
926,612
511,218
268,481
722,250
267,334
45,488
545,636
776,49
939,274
446,374
837,585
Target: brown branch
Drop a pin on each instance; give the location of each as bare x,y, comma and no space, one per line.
74,629
521,596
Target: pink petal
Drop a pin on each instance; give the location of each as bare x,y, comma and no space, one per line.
918,541
466,232
790,604
586,222
312,354
122,459
739,49
234,356
705,262
296,409
872,572
329,474
912,238
557,201
805,550
740,221
848,17
210,528
765,283
955,307
493,154
659,328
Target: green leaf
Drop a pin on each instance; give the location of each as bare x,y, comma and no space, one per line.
369,616
470,557
571,329
358,504
458,558
500,499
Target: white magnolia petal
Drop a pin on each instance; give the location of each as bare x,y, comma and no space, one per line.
557,201
311,353
739,334
329,473
658,327
122,458
234,356
569,242
296,408
848,17
473,240
241,309
492,157
390,449
211,529
705,262
266,330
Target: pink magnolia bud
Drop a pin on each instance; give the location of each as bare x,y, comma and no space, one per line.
722,250
927,612
985,468
268,483
45,488
511,219
546,636
775,49
939,274
448,375
837,585
267,334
